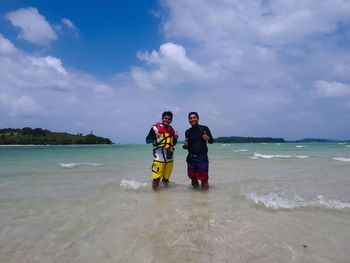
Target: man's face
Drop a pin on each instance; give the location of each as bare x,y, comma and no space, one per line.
193,119
166,120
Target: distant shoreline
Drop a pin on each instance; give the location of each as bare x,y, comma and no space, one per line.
240,139
38,136
48,145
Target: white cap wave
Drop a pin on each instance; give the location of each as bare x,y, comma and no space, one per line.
132,184
277,201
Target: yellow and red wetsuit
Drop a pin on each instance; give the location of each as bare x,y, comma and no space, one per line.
163,149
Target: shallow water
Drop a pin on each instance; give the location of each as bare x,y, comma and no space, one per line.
266,203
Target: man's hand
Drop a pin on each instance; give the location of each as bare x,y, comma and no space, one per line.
205,136
185,145
176,135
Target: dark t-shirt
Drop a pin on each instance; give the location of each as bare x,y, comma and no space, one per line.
196,144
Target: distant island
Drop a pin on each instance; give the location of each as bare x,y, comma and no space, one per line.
38,136
239,139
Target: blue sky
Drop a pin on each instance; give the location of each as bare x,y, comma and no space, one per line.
250,68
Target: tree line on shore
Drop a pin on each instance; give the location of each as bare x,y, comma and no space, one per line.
38,136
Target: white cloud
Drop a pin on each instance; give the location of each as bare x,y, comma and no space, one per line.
67,27
28,81
48,62
68,23
331,89
25,106
172,66
33,26
6,47
19,106
266,22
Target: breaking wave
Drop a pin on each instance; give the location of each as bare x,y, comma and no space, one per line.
341,159
241,150
270,156
72,165
69,165
278,201
132,184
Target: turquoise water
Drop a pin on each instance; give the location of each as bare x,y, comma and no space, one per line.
266,203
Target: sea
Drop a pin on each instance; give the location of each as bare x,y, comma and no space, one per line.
273,202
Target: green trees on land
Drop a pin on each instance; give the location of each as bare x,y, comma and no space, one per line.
40,136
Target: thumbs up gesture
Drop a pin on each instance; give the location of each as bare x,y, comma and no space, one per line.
205,136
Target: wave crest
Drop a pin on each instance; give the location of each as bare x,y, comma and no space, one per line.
132,184
279,156
72,165
277,201
341,159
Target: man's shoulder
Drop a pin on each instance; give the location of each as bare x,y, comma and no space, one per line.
204,127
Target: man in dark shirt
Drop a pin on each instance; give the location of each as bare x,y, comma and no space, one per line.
196,139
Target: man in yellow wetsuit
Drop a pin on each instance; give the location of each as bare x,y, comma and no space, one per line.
164,138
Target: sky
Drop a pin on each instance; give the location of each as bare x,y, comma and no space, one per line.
263,68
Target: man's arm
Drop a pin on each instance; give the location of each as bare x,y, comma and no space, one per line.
211,139
185,145
151,137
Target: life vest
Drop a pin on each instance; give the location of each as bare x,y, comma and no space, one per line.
166,139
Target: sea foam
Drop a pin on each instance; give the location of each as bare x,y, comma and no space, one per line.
341,159
270,156
69,165
278,201
72,165
132,184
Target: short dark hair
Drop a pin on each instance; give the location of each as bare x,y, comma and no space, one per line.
167,113
193,112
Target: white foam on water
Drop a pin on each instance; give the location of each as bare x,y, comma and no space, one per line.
225,144
281,201
72,165
341,159
269,156
347,146
93,164
300,146
275,201
279,156
241,150
69,165
132,184
331,203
